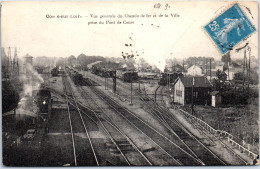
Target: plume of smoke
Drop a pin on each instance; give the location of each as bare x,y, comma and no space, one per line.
148,50
25,107
31,81
155,62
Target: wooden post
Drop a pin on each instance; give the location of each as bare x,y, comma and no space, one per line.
210,70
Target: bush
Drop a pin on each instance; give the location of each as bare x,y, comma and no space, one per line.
237,96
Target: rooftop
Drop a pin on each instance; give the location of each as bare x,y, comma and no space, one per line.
198,81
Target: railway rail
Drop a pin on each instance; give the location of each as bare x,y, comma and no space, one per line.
165,115
86,157
194,147
183,135
171,120
183,157
106,120
148,162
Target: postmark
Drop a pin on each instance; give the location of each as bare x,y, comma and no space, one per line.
229,28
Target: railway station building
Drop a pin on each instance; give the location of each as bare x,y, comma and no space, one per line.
183,87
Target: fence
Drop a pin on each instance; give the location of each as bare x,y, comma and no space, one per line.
221,133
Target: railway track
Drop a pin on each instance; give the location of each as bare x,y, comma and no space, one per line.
83,151
176,152
110,121
209,136
243,161
167,119
183,134
119,139
186,137
203,152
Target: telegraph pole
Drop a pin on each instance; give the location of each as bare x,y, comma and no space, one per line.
114,81
206,68
249,58
131,103
244,70
228,71
237,50
210,70
105,83
169,80
139,85
192,101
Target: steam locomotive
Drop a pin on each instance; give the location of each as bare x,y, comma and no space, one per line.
169,78
127,76
43,100
57,71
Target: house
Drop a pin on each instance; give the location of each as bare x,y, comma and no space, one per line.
232,71
222,67
211,74
194,70
183,86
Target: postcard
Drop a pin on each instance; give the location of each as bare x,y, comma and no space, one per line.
130,83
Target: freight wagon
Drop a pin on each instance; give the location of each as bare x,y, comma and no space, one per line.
127,76
76,77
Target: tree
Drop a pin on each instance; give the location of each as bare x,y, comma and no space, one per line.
222,76
84,60
72,60
220,82
238,78
60,62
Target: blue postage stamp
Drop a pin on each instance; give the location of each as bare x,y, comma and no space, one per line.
229,28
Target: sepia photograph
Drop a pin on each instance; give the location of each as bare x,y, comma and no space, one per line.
129,83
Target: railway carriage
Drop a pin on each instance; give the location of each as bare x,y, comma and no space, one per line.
124,75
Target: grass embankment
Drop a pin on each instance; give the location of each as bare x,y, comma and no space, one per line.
242,121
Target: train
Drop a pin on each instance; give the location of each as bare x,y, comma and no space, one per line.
127,76
168,78
44,103
148,75
123,74
54,72
100,71
57,71
76,77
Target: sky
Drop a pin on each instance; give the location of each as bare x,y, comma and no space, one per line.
25,26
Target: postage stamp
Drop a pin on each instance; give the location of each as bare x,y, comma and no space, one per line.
229,28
